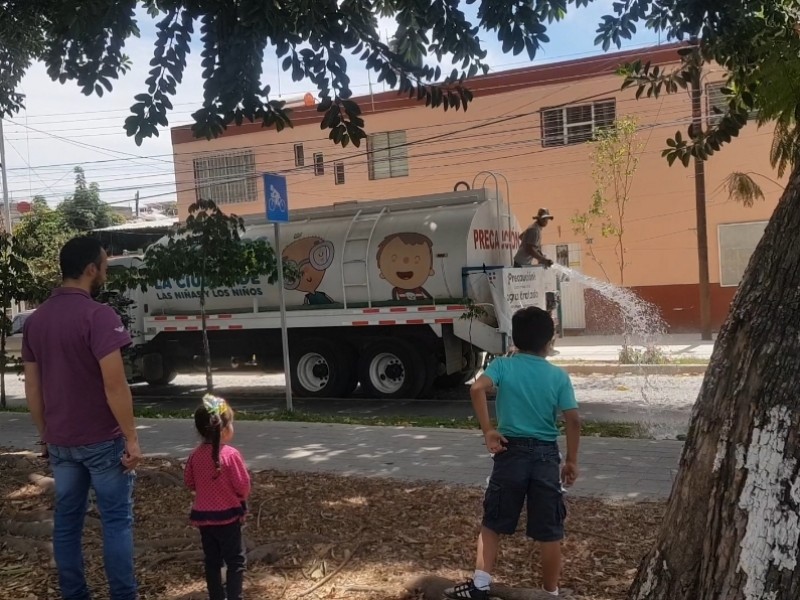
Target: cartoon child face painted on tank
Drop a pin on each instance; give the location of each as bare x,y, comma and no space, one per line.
310,257
405,260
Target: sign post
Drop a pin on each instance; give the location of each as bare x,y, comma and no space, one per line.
276,198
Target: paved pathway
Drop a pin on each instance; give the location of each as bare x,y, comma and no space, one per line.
610,467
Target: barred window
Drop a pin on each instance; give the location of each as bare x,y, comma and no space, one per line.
577,123
716,102
387,155
227,178
338,173
737,241
299,155
319,164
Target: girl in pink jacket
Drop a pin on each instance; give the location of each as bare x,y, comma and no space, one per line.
216,472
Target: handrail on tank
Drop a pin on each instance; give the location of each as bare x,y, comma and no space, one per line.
355,219
369,245
341,260
494,175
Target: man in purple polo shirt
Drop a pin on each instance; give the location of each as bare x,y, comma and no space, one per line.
80,401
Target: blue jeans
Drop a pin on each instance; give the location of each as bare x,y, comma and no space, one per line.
75,470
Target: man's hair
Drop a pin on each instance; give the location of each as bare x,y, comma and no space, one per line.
77,254
532,329
409,239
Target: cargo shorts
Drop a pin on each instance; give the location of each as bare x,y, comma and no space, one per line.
528,470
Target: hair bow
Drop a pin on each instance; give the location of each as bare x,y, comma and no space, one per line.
214,405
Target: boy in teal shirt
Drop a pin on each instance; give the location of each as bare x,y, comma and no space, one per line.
527,462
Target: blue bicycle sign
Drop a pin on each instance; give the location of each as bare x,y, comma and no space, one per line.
276,198
276,201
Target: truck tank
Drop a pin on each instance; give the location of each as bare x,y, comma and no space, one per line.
364,253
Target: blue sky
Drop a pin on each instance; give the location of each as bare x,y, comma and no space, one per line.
62,128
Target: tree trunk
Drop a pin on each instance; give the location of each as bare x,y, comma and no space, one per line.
3,360
732,525
206,346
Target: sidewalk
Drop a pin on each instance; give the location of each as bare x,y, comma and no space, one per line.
610,467
602,348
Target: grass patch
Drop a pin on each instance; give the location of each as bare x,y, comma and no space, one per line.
589,428
689,360
680,360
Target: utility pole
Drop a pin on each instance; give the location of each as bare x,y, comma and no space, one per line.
700,203
6,201
137,204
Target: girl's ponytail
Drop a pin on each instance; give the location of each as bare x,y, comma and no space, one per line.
216,434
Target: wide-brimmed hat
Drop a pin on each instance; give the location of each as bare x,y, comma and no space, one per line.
544,214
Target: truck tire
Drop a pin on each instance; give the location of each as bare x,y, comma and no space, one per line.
167,378
158,370
391,368
472,358
321,369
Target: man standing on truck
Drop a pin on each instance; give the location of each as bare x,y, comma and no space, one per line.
530,242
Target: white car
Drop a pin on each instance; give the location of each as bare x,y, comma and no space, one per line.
19,320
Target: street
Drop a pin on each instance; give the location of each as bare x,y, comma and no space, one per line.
661,402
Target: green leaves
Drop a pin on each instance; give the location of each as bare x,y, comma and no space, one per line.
38,239
615,160
755,41
17,284
84,210
83,41
208,246
174,33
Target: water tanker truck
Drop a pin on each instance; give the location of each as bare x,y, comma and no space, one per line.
398,296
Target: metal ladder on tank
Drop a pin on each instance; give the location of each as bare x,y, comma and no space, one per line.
502,215
357,243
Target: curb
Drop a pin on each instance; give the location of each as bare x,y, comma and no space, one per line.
618,369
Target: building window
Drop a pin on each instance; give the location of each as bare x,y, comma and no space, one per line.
319,164
228,178
716,102
576,124
737,241
299,156
338,173
387,155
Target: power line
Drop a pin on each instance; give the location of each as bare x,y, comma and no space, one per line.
482,160
470,150
289,160
362,167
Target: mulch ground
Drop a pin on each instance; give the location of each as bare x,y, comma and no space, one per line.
315,536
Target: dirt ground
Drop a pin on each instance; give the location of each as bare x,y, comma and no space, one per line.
316,536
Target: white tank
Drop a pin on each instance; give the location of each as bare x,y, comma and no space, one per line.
355,254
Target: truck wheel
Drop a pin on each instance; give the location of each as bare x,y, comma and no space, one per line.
391,369
472,358
321,369
431,364
158,370
167,378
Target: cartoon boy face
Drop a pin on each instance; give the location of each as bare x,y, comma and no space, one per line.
405,260
310,256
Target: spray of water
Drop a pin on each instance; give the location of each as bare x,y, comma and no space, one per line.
642,322
643,331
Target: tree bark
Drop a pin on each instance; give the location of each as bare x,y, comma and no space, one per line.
206,346
3,360
732,526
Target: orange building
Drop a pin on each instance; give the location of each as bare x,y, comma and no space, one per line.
531,125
